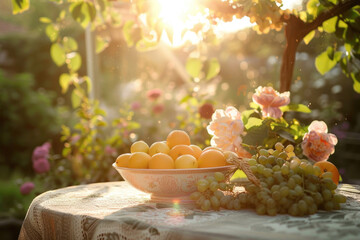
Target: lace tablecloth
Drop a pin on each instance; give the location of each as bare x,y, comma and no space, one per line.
115,210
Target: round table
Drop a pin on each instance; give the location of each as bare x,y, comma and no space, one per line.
115,210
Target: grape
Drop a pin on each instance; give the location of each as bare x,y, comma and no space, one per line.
271,211
219,176
276,195
237,204
222,186
252,162
215,203
195,195
339,198
293,210
206,205
279,146
263,152
299,190
285,170
327,175
275,188
328,205
284,191
283,155
291,183
224,200
230,204
262,160
210,179
287,185
289,148
326,194
303,207
214,186
260,209
218,194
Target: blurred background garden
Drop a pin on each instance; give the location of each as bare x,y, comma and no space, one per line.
52,136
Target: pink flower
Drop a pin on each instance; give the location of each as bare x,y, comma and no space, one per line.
41,152
226,128
26,188
110,150
135,106
317,144
270,101
41,165
154,94
158,108
206,110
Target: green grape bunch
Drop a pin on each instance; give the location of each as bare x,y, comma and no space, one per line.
288,185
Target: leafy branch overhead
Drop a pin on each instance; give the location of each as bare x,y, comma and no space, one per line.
147,25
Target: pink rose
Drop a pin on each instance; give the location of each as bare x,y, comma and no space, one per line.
159,108
154,94
135,106
270,101
41,151
26,188
41,165
317,144
206,110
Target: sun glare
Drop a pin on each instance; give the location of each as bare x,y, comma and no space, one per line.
175,15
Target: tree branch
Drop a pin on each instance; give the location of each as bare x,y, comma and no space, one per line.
296,30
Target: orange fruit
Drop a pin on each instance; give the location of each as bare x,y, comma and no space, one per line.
177,137
179,150
197,151
123,160
186,161
139,160
161,161
158,147
212,148
326,166
139,146
211,158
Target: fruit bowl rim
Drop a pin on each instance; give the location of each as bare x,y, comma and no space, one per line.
174,171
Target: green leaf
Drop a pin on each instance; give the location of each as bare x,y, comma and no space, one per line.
323,63
256,135
88,83
284,134
132,33
101,44
245,115
75,98
312,7
193,67
309,37
52,32
74,61
296,108
330,52
20,6
65,80
91,11
144,45
254,105
211,68
329,26
69,44
57,54
356,79
45,20
253,122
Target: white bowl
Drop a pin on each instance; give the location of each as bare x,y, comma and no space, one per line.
168,185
